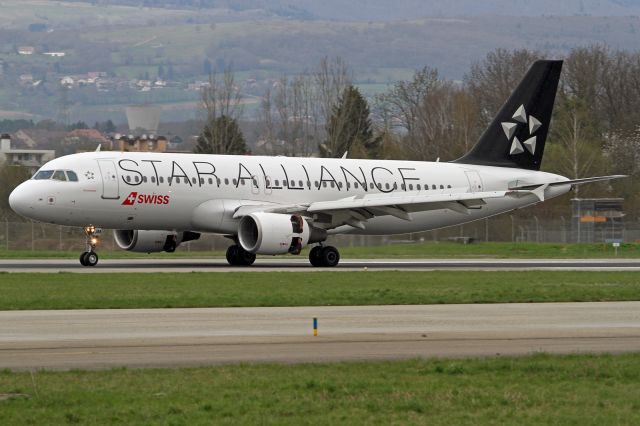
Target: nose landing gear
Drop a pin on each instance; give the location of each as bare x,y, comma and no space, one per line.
89,257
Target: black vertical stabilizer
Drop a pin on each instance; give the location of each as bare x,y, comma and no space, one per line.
516,137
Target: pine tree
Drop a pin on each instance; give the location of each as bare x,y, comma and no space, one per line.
221,136
349,128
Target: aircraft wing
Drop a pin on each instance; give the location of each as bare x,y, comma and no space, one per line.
356,210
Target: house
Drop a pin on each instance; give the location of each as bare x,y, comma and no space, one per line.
26,79
143,143
66,81
26,50
33,159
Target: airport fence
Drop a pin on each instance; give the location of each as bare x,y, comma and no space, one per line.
39,236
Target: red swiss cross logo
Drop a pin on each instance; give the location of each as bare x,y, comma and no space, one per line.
130,200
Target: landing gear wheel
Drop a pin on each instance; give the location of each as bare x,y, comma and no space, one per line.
246,258
237,256
314,256
329,256
232,255
89,258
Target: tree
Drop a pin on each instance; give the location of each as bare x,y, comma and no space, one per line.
11,177
436,118
221,102
221,136
575,149
492,80
349,128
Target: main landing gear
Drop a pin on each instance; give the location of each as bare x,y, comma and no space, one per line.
237,256
89,257
327,256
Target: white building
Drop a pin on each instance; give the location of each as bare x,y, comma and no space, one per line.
33,159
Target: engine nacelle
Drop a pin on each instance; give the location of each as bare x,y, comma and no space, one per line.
275,233
152,241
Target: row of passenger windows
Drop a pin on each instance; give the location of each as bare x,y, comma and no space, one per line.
291,184
62,175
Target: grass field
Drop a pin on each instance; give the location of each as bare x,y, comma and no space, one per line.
540,389
162,290
427,250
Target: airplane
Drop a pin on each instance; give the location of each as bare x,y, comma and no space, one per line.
278,205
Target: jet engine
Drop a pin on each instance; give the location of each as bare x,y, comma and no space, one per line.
152,241
275,233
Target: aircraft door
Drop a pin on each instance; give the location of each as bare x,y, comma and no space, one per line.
110,184
475,182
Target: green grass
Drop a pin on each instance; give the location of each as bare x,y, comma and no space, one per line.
540,389
163,290
427,250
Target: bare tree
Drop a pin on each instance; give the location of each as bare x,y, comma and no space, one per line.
575,147
492,80
331,78
222,105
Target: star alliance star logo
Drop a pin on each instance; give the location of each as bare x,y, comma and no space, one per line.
88,174
509,128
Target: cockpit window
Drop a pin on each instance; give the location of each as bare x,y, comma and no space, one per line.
43,174
59,175
72,176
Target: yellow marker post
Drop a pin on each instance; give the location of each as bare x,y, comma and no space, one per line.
315,327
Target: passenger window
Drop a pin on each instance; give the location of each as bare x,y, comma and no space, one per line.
72,176
128,178
403,187
371,185
418,186
43,174
441,186
277,182
210,181
387,185
433,187
202,181
449,186
218,181
355,185
193,180
226,181
161,179
410,187
59,175
300,183
177,180
153,179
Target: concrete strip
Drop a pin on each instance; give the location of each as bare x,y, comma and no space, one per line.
301,264
187,337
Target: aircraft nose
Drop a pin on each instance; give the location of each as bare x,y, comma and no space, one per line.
19,200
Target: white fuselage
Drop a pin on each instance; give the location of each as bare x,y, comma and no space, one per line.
197,192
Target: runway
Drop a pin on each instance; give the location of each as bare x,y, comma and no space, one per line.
280,264
91,339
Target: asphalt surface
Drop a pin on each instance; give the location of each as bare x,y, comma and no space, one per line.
301,264
90,339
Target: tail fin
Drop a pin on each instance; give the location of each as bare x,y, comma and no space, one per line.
517,135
